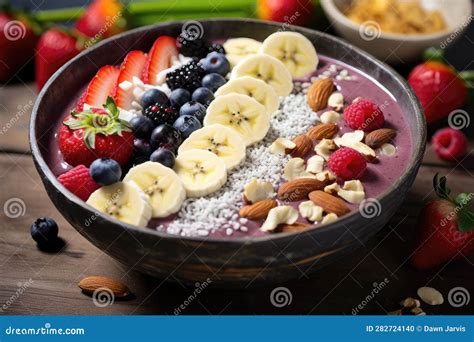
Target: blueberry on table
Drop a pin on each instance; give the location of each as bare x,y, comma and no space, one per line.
186,124
215,62
105,171
141,148
153,96
213,81
193,108
203,95
165,135
179,97
44,231
163,156
142,126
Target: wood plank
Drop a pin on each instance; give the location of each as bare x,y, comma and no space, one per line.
337,289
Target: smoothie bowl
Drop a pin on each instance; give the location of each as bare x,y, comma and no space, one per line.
237,152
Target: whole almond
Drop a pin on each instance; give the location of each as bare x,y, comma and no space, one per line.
323,131
259,210
90,284
292,228
319,92
298,189
381,136
302,148
329,203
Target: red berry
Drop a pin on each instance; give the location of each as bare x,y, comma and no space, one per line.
364,114
347,163
449,144
79,182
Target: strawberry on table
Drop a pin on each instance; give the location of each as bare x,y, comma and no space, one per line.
132,66
88,135
55,47
439,89
160,58
102,19
79,182
446,228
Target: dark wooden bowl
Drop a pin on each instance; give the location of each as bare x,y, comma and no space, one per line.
236,261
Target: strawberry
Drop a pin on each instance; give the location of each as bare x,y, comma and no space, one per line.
17,43
160,58
446,228
88,135
55,47
102,19
439,89
132,66
101,86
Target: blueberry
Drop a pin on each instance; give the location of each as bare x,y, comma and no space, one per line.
215,62
193,108
187,124
179,97
213,81
141,148
163,156
142,126
105,171
203,95
165,135
153,96
44,231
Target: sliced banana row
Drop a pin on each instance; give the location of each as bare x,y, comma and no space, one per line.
238,48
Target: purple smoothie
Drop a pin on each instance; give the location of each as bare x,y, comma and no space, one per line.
379,177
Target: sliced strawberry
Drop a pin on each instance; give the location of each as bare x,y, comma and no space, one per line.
159,58
132,66
102,85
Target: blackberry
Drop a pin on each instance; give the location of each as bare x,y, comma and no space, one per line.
187,77
216,48
161,114
197,48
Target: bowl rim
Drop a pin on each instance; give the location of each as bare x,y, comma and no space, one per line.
417,153
333,11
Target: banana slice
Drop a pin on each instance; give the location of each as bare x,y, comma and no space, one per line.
294,50
252,87
125,202
161,184
242,113
238,48
201,171
268,69
221,140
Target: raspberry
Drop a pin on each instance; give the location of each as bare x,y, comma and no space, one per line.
347,163
449,144
364,114
79,182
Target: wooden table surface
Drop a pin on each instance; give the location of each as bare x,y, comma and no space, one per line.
35,282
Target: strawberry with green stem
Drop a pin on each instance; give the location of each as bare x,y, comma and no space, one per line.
446,228
96,133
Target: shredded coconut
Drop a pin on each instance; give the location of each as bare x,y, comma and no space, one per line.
219,210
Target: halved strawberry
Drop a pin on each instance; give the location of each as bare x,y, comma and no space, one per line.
102,85
159,58
132,65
